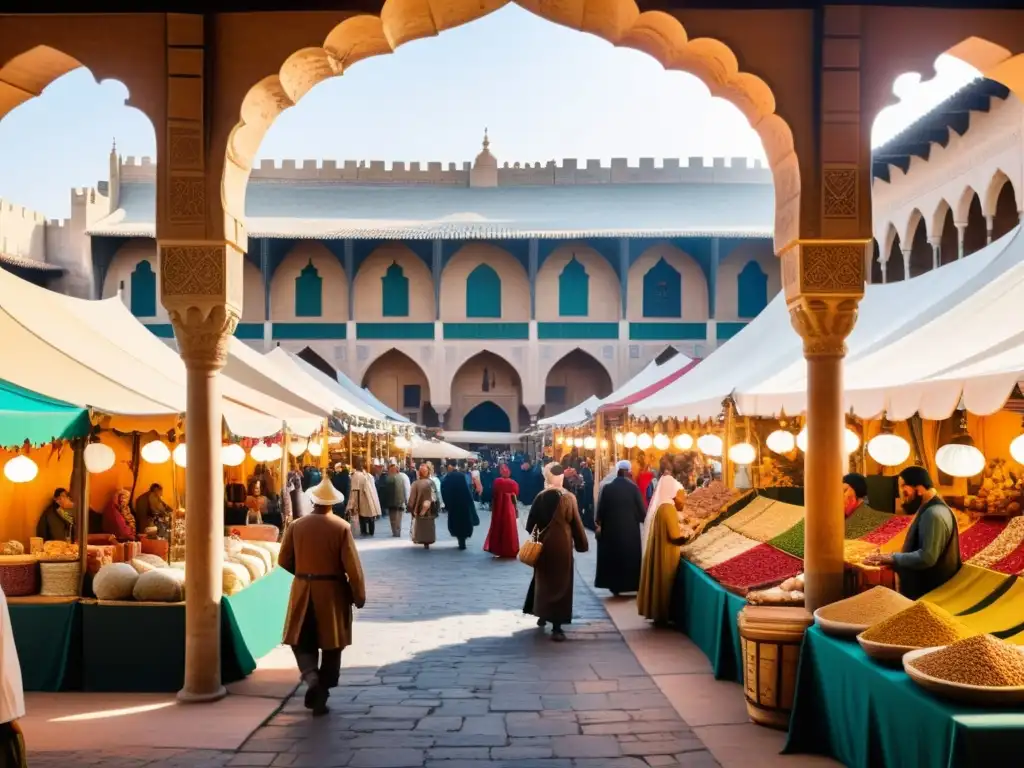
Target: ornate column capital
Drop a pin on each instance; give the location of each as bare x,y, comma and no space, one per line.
201,288
823,282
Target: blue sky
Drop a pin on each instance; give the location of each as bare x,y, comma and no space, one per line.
545,93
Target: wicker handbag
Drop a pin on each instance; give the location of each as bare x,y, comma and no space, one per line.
529,553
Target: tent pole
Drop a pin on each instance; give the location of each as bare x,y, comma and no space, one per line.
80,493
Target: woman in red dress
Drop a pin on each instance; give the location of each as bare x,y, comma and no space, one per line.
503,536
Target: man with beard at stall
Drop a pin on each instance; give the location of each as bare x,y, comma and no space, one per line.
458,500
931,551
620,515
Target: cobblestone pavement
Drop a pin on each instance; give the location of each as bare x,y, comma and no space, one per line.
446,672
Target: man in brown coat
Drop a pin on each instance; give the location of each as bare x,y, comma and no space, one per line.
320,551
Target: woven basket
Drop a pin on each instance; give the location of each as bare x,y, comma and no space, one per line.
60,579
19,575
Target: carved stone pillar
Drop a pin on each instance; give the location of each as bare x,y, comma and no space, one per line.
961,230
200,285
824,282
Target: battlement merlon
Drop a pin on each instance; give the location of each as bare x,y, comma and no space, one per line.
14,211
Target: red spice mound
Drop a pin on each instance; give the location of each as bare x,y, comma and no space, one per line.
1012,563
761,565
889,529
979,536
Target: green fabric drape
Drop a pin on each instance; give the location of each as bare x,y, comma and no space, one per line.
25,415
49,642
868,716
252,623
706,612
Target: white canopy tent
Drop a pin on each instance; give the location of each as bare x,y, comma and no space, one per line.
96,354
422,448
576,415
763,365
295,371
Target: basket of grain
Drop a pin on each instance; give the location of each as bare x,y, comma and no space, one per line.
850,617
922,625
980,670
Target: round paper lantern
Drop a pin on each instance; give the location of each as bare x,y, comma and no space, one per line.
297,447
274,452
888,450
742,454
559,440
259,452
661,441
180,455
629,440
683,441
644,441
850,438
232,455
604,444
21,469
589,443
960,460
402,443
98,458
619,438
577,442
315,449
781,441
1017,449
710,445
155,452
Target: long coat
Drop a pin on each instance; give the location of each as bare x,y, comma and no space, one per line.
459,503
556,514
503,535
423,506
661,560
363,500
322,545
620,514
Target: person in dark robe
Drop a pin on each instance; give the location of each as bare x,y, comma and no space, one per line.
931,552
487,483
556,518
341,482
587,509
620,516
532,481
57,522
460,505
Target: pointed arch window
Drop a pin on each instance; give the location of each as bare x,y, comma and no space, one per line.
395,292
752,290
309,292
143,295
483,293
573,290
663,291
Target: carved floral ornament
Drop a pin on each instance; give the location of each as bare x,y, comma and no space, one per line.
203,337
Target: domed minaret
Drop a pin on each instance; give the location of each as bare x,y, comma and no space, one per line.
485,168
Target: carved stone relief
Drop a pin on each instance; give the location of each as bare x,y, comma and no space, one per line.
840,187
187,198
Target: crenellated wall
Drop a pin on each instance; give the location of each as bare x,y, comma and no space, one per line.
22,231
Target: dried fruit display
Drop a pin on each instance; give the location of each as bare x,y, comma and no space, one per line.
1001,492
761,565
889,530
979,536
980,660
922,625
1005,543
722,549
709,500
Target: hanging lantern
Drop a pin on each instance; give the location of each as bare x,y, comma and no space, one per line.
850,438
559,440
155,452
1017,449
661,441
180,455
629,441
683,441
960,457
888,450
402,443
274,452
619,438
21,469
590,443
232,455
604,444
742,454
297,447
710,445
315,449
577,442
781,441
98,458
644,441
259,452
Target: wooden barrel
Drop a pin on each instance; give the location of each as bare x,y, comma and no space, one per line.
770,638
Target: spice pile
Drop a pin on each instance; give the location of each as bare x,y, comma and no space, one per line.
791,541
980,660
854,552
1004,544
922,625
889,530
709,500
864,521
1013,563
761,566
753,510
979,536
776,520
717,546
866,608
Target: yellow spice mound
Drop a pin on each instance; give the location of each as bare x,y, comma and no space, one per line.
867,608
922,625
980,660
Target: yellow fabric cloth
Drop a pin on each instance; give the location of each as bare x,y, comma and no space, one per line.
1005,613
969,587
660,563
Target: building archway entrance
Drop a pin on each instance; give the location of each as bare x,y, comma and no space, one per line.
578,376
396,380
486,417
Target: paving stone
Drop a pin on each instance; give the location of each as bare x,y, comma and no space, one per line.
253,758
635,727
586,746
521,753
387,758
672,747
459,753
399,712
698,759
439,724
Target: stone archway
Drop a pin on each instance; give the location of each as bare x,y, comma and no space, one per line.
485,378
400,383
486,417
576,377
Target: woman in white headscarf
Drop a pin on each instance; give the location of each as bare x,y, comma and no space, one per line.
12,696
665,491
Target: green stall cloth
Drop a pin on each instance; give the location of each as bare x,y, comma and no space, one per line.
25,415
49,641
868,716
706,612
140,647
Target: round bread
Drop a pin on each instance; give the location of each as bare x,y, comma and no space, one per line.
162,585
115,582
